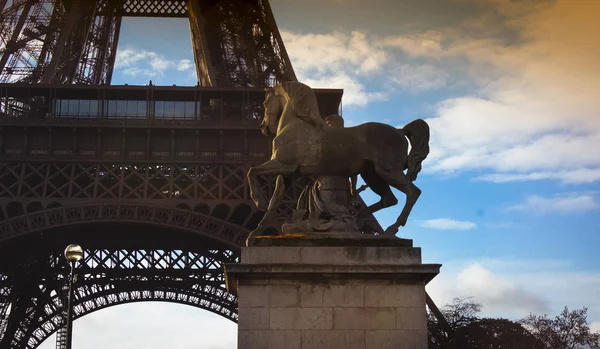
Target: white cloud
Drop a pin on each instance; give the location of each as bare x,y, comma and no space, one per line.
160,64
418,78
323,53
340,60
448,224
595,326
422,44
336,60
563,204
582,175
354,91
514,288
536,115
497,292
184,64
134,62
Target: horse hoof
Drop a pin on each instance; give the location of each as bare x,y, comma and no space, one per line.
250,237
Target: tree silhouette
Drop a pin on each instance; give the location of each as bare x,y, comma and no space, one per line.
568,330
495,334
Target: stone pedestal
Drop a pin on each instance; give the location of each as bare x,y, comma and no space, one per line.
312,293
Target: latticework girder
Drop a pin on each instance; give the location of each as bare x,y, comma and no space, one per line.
236,43
57,41
158,197
108,277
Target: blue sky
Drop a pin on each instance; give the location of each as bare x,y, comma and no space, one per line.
510,201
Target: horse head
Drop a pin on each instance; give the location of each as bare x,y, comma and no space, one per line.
294,97
304,103
273,110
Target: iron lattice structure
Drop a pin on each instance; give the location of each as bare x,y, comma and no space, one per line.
139,172
236,43
150,180
117,276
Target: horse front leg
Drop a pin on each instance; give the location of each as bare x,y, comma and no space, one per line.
272,167
257,195
270,218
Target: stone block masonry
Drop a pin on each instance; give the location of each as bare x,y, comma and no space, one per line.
310,294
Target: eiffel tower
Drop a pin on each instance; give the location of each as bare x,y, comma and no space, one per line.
150,180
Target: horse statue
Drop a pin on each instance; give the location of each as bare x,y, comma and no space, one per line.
305,146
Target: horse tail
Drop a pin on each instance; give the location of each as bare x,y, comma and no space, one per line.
417,132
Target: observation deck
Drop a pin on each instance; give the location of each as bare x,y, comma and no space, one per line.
137,123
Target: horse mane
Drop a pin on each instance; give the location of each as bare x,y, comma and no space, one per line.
303,100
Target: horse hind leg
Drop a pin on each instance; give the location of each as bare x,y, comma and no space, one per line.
381,188
412,192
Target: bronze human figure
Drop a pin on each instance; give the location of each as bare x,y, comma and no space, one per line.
305,146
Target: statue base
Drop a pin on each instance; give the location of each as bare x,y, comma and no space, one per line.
320,227
330,290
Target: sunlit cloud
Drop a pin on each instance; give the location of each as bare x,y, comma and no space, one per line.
337,60
427,44
536,115
418,78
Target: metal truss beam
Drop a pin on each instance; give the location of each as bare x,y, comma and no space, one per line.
217,190
194,222
108,277
236,43
53,42
144,8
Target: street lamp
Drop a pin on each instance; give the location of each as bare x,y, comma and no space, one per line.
73,253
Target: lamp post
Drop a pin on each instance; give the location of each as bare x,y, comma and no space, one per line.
73,253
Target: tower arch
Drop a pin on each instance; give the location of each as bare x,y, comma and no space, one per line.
133,253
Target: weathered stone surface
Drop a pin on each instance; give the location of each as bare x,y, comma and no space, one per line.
269,339
411,318
253,296
260,255
301,318
360,255
253,318
396,339
347,295
330,239
364,318
398,295
282,296
331,297
332,255
332,339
